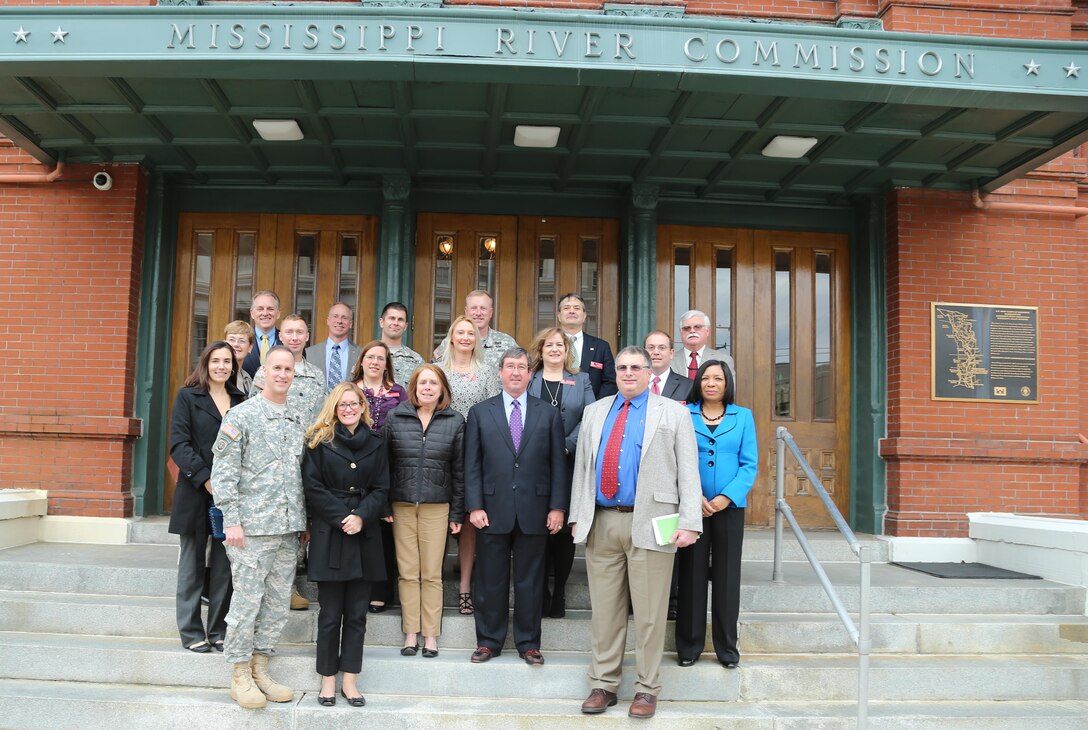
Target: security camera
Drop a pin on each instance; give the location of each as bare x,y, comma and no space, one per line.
102,181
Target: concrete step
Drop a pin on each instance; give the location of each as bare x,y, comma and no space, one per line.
34,705
774,633
150,570
761,678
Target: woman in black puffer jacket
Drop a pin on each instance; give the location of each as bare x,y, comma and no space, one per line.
426,460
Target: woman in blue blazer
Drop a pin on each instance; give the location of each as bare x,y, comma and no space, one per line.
726,435
557,382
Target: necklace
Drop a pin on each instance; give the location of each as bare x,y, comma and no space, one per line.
554,397
711,418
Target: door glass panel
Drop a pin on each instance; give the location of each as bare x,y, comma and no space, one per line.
305,277
681,286
723,299
243,276
587,283
824,394
545,283
348,291
783,386
443,288
202,284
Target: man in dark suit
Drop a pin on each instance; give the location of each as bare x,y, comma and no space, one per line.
663,379
516,493
593,355
265,312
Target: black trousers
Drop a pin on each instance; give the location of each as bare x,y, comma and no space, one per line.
558,560
195,563
341,625
384,589
722,538
491,579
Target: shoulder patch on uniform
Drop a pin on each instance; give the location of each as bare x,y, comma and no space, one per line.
231,431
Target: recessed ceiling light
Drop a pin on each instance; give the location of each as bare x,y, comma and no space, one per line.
792,147
278,130
527,136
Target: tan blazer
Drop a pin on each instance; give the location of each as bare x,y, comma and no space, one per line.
668,471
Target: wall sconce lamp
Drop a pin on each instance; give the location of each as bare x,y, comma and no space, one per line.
445,246
490,244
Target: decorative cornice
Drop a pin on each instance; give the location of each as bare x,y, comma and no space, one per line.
649,11
644,196
860,23
396,187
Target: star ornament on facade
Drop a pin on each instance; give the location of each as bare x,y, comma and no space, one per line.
1072,71
59,34
1032,67
21,35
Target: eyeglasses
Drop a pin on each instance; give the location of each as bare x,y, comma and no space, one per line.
349,406
516,368
630,368
238,340
692,327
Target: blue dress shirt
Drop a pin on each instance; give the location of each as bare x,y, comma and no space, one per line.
630,450
344,364
508,405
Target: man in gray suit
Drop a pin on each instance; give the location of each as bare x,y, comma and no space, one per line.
624,438
336,356
663,380
694,332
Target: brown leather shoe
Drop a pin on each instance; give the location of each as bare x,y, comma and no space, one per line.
482,654
644,705
532,657
598,701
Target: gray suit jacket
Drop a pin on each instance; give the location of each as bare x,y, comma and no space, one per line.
577,394
668,472
682,357
315,355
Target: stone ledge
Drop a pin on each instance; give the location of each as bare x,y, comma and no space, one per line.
32,425
1051,547
908,448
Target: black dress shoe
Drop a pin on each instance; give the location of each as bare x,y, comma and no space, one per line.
200,647
559,607
326,701
730,665
359,701
685,662
218,646
377,609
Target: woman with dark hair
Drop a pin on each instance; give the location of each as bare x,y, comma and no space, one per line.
208,393
374,374
426,462
557,382
728,456
345,475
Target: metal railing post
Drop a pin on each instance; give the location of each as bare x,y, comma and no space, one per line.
864,642
779,497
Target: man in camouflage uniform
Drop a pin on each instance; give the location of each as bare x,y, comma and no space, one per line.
257,483
394,321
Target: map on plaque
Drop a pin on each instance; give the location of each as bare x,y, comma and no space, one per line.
984,352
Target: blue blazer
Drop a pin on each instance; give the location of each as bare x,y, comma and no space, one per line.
728,456
577,394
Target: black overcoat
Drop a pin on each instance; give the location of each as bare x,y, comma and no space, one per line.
194,424
348,475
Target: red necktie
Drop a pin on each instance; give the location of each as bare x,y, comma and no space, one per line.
610,469
693,366
657,385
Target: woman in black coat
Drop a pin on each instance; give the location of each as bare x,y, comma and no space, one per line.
194,423
345,474
426,456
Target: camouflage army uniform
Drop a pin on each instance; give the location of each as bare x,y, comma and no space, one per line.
405,362
307,393
495,344
257,483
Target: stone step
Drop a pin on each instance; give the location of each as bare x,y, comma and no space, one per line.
35,705
761,678
150,570
775,633
828,545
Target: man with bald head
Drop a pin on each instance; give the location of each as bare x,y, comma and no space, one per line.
337,355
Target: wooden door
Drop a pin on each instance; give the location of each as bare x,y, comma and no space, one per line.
525,262
779,302
311,262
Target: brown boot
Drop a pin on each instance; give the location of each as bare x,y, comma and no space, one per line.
271,689
298,601
242,689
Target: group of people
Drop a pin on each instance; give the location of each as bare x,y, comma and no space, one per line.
374,457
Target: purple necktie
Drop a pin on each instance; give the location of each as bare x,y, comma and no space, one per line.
515,425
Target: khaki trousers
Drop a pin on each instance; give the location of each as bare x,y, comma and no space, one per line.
616,567
419,532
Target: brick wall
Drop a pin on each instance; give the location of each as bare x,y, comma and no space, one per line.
947,458
70,292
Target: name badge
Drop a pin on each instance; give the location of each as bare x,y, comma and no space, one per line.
567,382
598,365
470,377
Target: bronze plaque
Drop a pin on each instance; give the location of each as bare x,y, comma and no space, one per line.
984,352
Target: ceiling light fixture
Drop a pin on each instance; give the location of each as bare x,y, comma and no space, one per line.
278,130
791,147
528,136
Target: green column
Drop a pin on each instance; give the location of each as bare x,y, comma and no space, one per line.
396,250
638,260
868,372
153,354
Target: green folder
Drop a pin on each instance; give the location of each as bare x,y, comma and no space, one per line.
665,527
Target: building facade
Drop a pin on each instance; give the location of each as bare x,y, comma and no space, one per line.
819,176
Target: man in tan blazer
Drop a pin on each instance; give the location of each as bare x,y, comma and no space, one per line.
636,460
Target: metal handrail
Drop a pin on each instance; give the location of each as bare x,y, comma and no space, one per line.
859,633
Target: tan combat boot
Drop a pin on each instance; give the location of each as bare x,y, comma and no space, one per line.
242,689
298,601
272,689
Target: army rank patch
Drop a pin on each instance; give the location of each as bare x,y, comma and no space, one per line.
227,433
